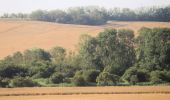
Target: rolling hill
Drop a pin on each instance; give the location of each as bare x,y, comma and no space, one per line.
20,35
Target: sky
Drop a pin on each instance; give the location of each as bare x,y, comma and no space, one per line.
26,6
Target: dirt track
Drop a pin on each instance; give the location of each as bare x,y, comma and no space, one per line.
93,97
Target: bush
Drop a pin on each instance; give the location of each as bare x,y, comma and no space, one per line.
9,70
90,75
133,79
167,76
56,78
107,79
78,79
4,82
41,69
67,80
155,77
142,75
23,82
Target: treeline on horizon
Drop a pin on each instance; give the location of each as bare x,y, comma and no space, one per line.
113,58
93,15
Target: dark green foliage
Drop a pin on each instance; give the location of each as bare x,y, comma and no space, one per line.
85,77
141,74
56,78
90,75
4,82
107,79
9,70
41,69
23,82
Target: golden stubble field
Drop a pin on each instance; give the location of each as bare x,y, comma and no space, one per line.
22,35
89,93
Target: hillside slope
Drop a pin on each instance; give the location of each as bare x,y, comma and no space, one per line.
21,35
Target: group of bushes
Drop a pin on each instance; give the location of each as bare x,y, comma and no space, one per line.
114,57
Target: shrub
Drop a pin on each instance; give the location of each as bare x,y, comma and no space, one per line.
155,77
128,73
56,78
23,82
107,79
4,82
142,75
67,80
79,81
133,79
167,76
41,69
90,75
9,70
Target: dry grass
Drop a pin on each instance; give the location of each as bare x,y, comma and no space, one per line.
86,90
21,35
81,90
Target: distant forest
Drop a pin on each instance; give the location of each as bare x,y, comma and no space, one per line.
93,15
113,57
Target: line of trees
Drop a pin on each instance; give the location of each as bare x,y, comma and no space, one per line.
93,15
114,57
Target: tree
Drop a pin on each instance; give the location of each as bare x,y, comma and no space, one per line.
40,15
154,48
87,52
116,54
58,54
36,55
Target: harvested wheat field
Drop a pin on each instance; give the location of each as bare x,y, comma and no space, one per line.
87,93
22,35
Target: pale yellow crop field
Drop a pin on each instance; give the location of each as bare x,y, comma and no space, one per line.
22,35
88,93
